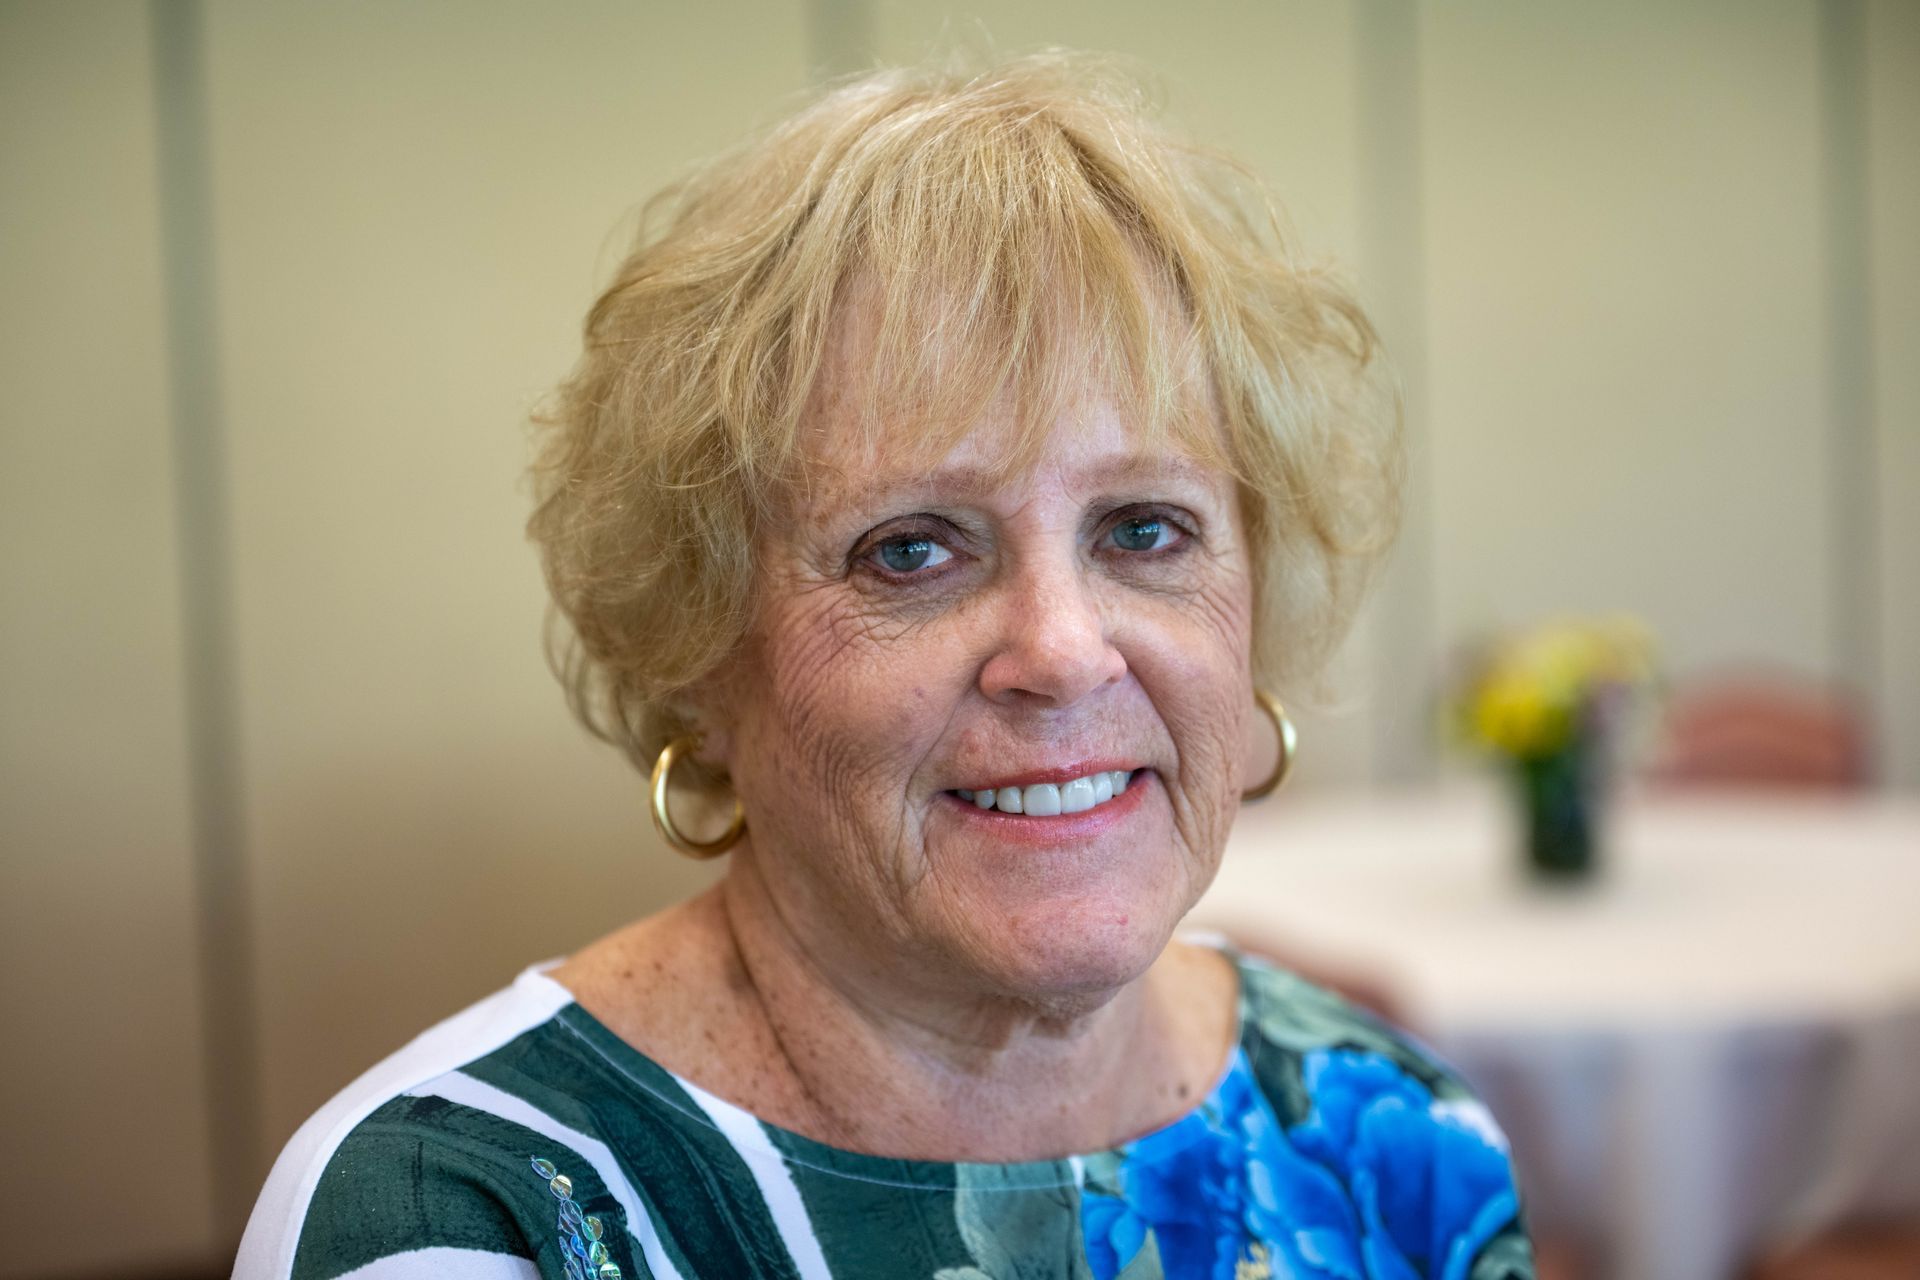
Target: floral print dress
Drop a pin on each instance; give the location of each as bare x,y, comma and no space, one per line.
524,1140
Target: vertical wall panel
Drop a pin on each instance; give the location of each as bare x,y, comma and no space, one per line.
104,1108
1399,620
1893,296
414,206
1627,322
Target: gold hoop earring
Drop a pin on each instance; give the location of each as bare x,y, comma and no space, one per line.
696,849
1289,745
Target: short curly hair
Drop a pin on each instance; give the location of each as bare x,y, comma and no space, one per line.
1018,229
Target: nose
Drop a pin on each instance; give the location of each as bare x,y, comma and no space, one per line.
1052,645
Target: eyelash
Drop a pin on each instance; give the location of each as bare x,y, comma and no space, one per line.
945,536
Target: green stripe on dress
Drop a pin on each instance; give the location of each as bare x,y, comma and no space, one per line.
876,1230
423,1172
1014,1228
701,1195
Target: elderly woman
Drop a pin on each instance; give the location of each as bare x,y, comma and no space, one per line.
947,473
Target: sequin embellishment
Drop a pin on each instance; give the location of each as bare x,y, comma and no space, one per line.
586,1257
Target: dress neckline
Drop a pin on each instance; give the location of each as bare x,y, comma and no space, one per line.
762,1143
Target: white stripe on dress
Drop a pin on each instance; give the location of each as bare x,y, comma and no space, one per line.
774,1179
442,1263
273,1230
470,1091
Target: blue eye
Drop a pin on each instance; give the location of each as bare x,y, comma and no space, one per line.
1142,533
904,555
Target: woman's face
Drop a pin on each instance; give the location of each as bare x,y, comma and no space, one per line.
923,634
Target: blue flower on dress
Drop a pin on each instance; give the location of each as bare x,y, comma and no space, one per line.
1381,1182
1186,1185
1430,1181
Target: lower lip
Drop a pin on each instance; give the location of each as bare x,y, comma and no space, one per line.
1060,828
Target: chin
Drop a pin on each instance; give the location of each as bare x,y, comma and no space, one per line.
1066,924
1073,956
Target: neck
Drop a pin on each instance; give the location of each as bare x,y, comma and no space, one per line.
896,1058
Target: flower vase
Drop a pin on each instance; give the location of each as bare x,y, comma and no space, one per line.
1558,813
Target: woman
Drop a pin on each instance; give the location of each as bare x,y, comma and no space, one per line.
939,475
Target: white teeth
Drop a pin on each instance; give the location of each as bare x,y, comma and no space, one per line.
1045,799
1077,796
1041,800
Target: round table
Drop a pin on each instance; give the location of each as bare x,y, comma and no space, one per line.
1712,1044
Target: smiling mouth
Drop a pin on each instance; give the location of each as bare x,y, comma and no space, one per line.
1047,799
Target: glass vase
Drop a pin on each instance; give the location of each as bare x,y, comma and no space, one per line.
1559,813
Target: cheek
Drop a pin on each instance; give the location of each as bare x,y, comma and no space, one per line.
1199,643
840,710
1193,658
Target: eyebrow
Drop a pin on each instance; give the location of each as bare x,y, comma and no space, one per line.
976,479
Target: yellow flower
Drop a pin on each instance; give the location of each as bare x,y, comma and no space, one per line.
1516,713
1532,691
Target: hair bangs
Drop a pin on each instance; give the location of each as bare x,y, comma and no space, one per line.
995,261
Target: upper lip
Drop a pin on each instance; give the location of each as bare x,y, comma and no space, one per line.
1057,774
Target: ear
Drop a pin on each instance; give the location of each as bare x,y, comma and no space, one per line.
706,707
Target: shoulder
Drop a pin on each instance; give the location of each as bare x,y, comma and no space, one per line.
1383,1117
425,1164
1283,1015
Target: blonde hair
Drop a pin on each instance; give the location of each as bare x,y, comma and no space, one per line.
1026,231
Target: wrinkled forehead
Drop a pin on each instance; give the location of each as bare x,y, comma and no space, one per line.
853,475
895,406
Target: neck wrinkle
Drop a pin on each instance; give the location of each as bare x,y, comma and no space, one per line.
908,1065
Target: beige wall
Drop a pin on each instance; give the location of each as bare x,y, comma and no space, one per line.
103,1106
1626,323
1598,236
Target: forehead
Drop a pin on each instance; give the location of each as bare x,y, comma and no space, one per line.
865,434
850,467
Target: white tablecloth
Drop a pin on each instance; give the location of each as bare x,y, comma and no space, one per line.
1715,1044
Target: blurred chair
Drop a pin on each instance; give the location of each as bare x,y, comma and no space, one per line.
1886,1252
1762,728
1559,1260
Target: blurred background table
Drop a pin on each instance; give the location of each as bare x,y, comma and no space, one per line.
1713,1045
